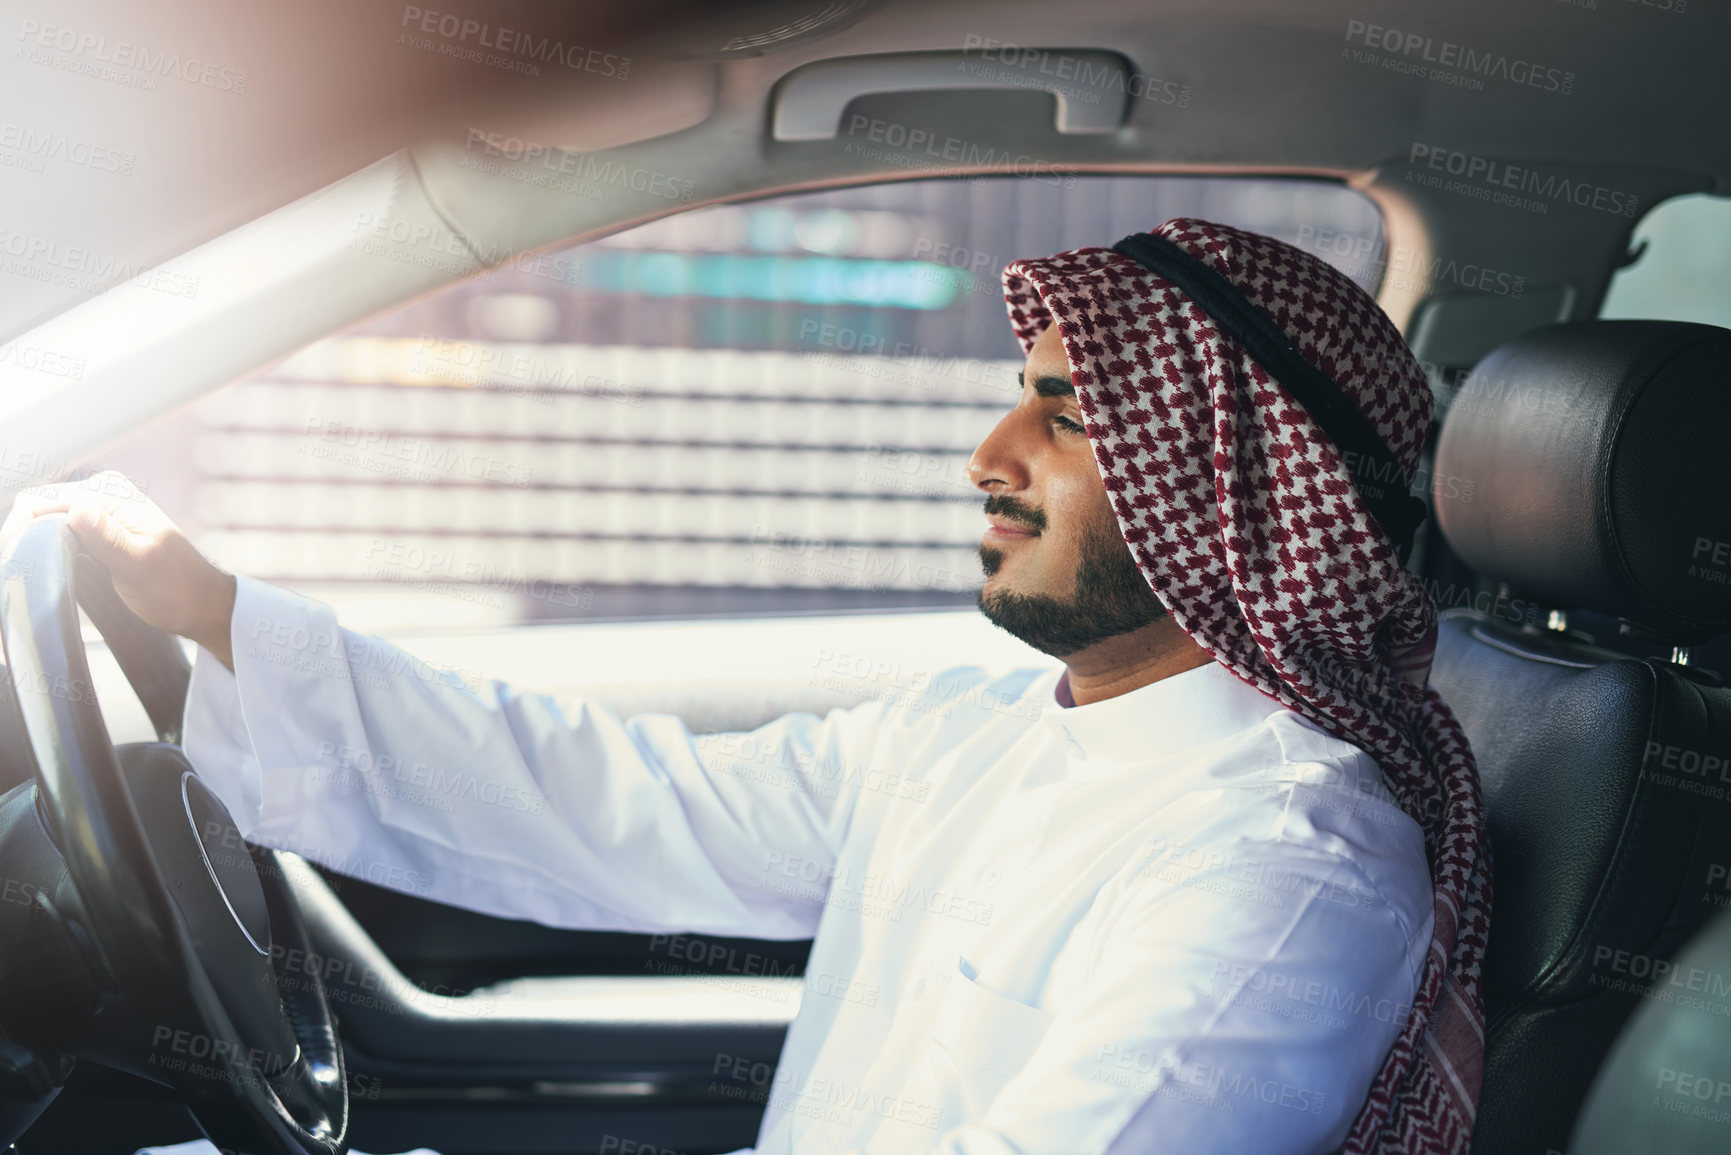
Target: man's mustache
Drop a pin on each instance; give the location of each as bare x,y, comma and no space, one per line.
1010,509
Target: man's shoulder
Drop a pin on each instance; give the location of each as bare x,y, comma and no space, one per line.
1290,805
1272,854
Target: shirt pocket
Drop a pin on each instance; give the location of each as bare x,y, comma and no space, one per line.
980,1040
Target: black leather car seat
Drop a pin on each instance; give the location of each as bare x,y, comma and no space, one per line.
1585,466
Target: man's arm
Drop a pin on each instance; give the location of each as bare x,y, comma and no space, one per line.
349,751
353,753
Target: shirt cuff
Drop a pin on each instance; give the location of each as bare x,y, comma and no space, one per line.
233,724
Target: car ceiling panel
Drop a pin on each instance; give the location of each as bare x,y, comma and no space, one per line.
331,85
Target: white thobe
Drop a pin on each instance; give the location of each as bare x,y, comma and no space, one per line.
1182,919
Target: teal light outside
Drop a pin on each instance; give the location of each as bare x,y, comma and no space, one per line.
805,280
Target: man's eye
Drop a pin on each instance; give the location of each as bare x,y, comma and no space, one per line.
1068,426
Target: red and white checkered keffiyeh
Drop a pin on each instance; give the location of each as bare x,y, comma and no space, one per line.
1244,519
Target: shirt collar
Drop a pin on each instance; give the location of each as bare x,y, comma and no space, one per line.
1178,712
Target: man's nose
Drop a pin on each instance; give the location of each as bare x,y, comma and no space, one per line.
1001,459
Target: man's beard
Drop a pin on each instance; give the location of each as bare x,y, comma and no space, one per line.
1112,597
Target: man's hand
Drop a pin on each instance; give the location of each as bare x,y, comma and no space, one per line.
157,571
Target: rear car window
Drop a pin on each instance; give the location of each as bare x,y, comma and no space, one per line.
1683,272
753,408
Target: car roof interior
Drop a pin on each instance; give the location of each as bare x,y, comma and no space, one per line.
339,124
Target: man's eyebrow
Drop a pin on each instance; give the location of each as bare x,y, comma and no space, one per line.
1049,386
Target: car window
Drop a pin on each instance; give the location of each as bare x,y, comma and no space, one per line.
1683,272
742,409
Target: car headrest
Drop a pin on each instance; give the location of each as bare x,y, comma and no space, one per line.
1588,465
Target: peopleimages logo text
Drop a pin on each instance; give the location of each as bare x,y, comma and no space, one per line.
1447,54
515,42
88,46
584,167
39,144
1523,179
917,144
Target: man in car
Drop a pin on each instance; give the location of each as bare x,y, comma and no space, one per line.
1175,894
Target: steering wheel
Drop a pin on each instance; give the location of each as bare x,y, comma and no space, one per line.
197,933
